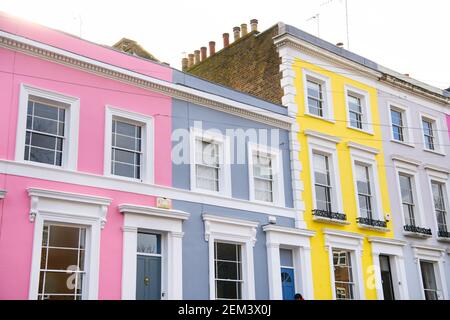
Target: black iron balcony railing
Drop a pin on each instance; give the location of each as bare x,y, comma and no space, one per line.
443,234
329,215
415,229
371,222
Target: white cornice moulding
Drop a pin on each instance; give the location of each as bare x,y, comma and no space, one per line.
364,148
322,136
53,54
227,220
344,234
37,171
396,157
153,211
388,241
287,230
434,168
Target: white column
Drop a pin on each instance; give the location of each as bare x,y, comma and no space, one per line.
377,275
401,277
274,270
250,271
175,265
306,270
129,263
360,275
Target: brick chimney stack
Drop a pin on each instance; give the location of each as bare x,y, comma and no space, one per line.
226,40
254,25
237,33
212,48
203,53
191,60
244,29
184,64
196,56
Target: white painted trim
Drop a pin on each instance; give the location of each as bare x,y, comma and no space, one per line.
437,133
165,87
85,210
442,178
353,242
147,135
111,183
298,241
236,231
322,145
408,136
366,156
411,170
394,249
327,106
70,144
277,172
224,160
169,224
364,96
436,255
321,136
363,148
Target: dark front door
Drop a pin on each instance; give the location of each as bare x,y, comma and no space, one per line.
386,278
288,283
148,282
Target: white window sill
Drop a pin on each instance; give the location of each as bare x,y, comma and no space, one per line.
443,239
403,143
211,193
319,117
369,132
122,178
416,235
373,228
330,220
434,151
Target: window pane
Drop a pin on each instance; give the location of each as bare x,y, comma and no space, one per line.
44,111
227,270
64,237
227,251
43,141
42,155
228,290
125,129
149,243
124,170
62,259
286,259
45,125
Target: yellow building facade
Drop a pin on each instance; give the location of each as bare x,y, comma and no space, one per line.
348,148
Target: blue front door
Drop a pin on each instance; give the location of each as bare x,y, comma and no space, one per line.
288,283
148,282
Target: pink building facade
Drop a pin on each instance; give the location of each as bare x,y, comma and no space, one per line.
88,194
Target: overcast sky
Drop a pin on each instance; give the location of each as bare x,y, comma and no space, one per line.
409,36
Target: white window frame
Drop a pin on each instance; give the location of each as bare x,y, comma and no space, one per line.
326,145
436,255
364,97
366,156
408,136
236,231
298,241
395,250
327,105
443,177
352,242
168,223
437,130
147,140
224,160
68,209
410,169
276,155
70,144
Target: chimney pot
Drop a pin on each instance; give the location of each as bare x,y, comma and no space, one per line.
339,44
191,60
226,39
237,33
196,56
203,53
184,64
254,25
244,29
212,48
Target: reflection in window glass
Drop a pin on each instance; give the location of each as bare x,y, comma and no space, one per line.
228,271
